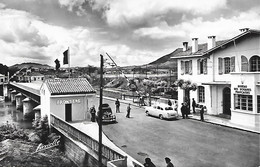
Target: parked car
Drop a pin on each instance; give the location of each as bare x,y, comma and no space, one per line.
162,111
108,115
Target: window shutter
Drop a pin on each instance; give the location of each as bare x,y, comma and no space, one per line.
244,64
232,64
220,65
190,67
182,67
205,70
198,66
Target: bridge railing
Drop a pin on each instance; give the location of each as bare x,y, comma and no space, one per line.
107,152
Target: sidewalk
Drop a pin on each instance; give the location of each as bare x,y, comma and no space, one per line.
207,118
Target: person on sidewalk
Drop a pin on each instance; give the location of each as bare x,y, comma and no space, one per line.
148,163
168,162
183,110
202,113
193,105
93,113
117,103
187,110
128,109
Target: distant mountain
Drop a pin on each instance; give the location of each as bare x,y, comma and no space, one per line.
166,58
28,65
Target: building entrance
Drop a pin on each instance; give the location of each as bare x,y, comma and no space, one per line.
226,101
68,113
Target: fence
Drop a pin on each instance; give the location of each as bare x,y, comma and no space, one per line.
107,152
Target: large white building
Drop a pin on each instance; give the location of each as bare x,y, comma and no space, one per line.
227,74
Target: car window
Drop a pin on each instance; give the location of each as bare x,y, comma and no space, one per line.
168,108
158,107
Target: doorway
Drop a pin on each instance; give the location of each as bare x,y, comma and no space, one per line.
68,113
226,101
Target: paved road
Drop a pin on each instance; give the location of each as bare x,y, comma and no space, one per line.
189,143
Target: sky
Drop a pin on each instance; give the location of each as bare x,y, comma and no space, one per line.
132,32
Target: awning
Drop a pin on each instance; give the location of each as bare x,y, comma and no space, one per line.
217,83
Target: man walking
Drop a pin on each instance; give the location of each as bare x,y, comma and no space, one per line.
168,162
117,103
193,105
128,109
183,110
202,114
93,113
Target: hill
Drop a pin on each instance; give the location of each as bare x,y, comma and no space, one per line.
30,65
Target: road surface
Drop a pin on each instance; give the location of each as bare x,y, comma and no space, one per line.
188,143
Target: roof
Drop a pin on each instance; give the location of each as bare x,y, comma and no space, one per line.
202,48
69,86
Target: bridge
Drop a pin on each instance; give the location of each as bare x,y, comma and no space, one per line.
80,137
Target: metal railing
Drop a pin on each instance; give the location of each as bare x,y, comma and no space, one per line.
107,152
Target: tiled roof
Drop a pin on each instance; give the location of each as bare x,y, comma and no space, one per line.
69,86
202,48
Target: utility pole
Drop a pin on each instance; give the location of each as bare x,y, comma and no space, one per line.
100,113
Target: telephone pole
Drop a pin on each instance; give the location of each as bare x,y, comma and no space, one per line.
100,113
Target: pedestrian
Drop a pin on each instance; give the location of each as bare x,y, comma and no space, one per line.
128,109
168,162
117,106
187,110
148,163
202,113
183,110
93,113
193,105
169,102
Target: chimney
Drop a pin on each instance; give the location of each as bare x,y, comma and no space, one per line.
211,42
185,46
194,45
244,29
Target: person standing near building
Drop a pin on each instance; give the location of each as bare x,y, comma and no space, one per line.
202,113
93,113
148,163
193,105
168,162
128,109
187,110
117,103
183,110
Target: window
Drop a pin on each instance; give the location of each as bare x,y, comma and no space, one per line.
220,65
186,67
202,66
226,65
201,94
254,63
258,104
244,64
243,102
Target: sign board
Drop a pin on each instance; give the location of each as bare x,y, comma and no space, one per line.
242,89
68,101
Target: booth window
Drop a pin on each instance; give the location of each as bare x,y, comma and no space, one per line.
254,63
201,94
202,66
186,67
243,102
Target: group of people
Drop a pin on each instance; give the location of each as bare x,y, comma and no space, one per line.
149,163
128,109
185,110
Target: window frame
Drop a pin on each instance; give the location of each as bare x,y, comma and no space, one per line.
201,94
243,102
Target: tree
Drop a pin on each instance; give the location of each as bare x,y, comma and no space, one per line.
57,62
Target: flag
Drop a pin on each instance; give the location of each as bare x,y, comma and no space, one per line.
66,57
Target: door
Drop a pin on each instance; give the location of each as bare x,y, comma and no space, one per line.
226,101
68,113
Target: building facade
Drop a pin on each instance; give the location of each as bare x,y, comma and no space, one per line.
68,99
227,74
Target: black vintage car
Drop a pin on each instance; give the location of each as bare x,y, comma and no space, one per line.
108,115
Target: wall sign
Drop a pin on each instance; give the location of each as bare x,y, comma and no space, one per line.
69,101
242,89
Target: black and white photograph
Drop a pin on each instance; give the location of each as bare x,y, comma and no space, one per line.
129,83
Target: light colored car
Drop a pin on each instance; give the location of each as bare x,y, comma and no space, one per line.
162,111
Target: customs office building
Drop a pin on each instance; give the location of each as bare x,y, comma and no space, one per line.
69,99
227,74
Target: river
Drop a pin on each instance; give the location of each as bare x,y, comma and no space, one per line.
9,113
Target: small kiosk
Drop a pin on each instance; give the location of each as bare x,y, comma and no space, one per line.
68,99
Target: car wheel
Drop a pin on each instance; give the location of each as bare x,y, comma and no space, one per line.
160,116
147,113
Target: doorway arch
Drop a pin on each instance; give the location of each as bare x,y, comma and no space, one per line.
226,101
